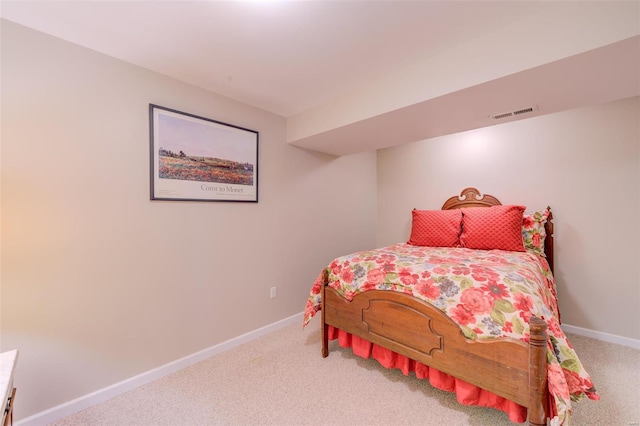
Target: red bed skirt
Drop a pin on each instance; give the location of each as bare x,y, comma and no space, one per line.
466,393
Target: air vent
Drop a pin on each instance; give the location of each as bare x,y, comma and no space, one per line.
499,116
517,112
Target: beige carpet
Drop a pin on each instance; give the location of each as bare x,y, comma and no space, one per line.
281,379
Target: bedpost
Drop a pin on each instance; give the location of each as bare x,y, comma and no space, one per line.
323,327
548,241
538,399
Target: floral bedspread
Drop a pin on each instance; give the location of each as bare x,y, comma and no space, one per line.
489,293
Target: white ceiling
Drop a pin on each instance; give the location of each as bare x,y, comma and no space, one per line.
282,56
309,59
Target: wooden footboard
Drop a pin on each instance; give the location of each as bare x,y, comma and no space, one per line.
507,367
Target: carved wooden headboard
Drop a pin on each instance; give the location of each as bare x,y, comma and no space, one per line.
471,197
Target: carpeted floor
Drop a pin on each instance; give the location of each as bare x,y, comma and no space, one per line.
281,379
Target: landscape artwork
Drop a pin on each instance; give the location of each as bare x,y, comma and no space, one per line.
199,159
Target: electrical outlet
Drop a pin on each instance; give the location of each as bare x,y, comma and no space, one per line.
273,292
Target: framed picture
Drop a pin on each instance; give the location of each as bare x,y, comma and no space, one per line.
198,159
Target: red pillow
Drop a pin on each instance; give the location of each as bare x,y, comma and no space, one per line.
435,228
488,228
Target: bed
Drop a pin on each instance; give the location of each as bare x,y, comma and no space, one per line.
445,305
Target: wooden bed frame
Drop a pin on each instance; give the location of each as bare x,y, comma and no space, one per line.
507,367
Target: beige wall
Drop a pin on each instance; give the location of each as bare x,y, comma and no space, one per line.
584,163
99,283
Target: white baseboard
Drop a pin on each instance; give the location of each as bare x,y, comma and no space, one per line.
599,335
68,408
